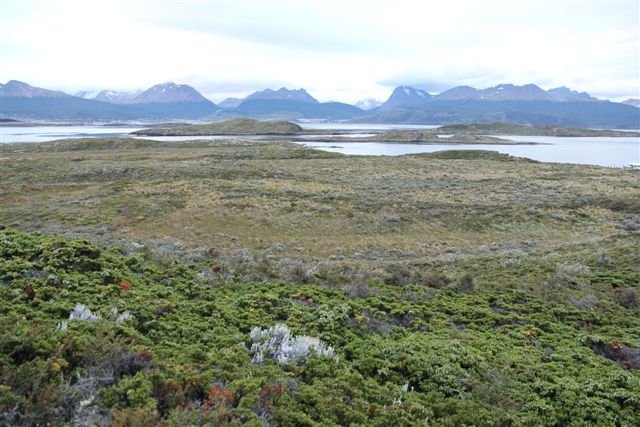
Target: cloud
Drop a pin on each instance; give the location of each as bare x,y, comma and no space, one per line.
436,79
336,50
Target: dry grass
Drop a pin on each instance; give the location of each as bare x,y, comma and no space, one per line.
230,196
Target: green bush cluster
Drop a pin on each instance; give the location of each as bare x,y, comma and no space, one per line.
460,354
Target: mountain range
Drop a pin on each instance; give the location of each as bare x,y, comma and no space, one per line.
527,104
161,101
405,96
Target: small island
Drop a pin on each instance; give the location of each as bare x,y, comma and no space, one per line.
227,127
418,137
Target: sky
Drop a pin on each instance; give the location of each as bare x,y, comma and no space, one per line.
337,50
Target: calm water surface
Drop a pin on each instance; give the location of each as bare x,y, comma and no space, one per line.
604,151
591,151
10,134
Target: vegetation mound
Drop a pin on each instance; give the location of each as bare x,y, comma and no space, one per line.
473,154
228,127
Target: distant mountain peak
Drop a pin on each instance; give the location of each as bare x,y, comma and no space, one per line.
112,96
230,102
406,96
511,92
283,94
634,102
368,104
410,91
169,92
563,93
16,88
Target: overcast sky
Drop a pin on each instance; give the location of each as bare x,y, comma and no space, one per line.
337,50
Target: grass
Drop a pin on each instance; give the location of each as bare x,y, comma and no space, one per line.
322,207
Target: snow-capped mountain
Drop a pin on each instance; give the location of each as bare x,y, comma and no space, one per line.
112,96
368,104
116,97
405,96
509,92
169,92
87,94
634,102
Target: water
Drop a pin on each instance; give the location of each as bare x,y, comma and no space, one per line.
11,134
601,151
605,151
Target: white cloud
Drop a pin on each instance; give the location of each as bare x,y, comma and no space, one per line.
336,50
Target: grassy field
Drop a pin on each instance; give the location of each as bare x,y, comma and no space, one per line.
460,287
240,199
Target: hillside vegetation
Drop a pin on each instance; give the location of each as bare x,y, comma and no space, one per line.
265,283
177,344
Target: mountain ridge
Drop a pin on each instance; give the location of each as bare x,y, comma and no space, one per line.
634,102
511,92
526,104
